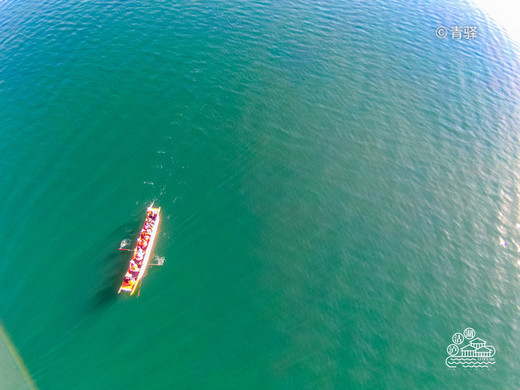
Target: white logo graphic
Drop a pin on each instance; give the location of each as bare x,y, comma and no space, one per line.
476,353
470,32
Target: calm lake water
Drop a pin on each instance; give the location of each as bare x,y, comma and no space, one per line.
339,190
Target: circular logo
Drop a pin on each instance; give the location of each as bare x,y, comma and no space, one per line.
469,333
457,338
441,32
452,349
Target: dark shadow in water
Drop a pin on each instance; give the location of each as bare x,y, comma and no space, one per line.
110,280
111,266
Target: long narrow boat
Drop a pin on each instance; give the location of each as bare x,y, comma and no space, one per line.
142,252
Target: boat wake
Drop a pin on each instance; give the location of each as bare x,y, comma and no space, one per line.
124,243
159,260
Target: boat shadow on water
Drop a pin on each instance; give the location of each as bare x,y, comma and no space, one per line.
111,266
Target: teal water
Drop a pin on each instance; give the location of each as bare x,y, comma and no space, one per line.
335,183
